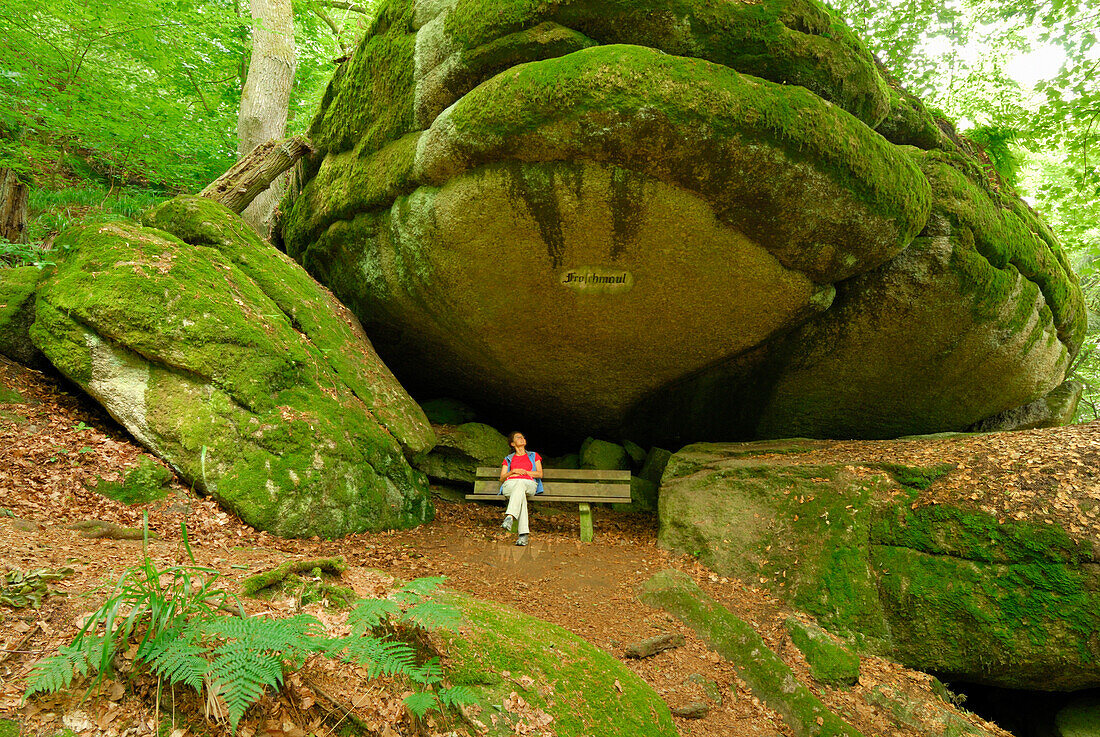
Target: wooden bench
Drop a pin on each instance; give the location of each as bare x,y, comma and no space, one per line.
579,486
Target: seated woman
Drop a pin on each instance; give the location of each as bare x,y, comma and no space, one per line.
521,477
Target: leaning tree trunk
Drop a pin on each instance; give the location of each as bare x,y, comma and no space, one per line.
266,95
13,207
252,175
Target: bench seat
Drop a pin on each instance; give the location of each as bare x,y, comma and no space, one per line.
576,486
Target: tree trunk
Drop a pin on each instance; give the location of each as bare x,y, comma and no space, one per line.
13,207
266,96
252,175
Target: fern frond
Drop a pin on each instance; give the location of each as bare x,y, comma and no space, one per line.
421,703
175,656
369,613
294,637
417,589
57,672
242,674
381,657
433,615
429,674
456,696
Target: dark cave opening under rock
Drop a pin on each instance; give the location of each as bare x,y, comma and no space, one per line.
1032,713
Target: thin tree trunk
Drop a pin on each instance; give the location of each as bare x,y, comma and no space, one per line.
266,96
252,175
13,207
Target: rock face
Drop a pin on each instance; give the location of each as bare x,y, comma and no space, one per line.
225,359
674,221
461,449
943,587
17,313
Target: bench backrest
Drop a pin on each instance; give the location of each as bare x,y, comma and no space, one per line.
566,483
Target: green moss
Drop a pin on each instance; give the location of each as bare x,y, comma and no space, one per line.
142,484
711,126
948,530
268,402
9,728
1013,625
584,689
831,663
802,529
997,237
17,288
799,43
770,679
370,101
332,334
10,396
916,477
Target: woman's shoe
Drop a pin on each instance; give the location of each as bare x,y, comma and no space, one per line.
507,524
522,540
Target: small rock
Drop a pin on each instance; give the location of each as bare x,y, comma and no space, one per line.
694,710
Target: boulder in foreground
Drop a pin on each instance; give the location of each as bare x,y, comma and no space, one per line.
227,360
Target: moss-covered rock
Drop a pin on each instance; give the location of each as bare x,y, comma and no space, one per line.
739,178
604,455
583,690
770,679
831,662
461,449
1053,410
17,287
943,588
225,359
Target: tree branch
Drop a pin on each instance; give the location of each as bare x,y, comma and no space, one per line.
353,7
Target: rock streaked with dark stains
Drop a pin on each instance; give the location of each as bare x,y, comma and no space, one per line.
713,172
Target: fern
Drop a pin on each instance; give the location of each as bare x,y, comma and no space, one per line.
417,589
175,655
456,696
381,657
241,675
432,615
369,613
57,672
421,702
295,637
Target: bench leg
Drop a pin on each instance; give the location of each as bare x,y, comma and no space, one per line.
586,522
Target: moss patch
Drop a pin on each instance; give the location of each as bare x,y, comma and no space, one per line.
141,485
571,681
17,289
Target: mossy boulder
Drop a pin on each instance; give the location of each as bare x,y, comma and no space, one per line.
17,287
769,678
461,449
603,455
228,361
945,588
564,684
808,249
831,662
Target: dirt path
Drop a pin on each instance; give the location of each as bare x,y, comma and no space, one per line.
53,447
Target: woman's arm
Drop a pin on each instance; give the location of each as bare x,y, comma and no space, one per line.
503,472
537,473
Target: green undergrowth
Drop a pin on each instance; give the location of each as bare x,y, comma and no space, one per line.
916,477
175,618
584,689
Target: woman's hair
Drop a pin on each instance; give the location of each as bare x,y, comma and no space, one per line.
512,436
